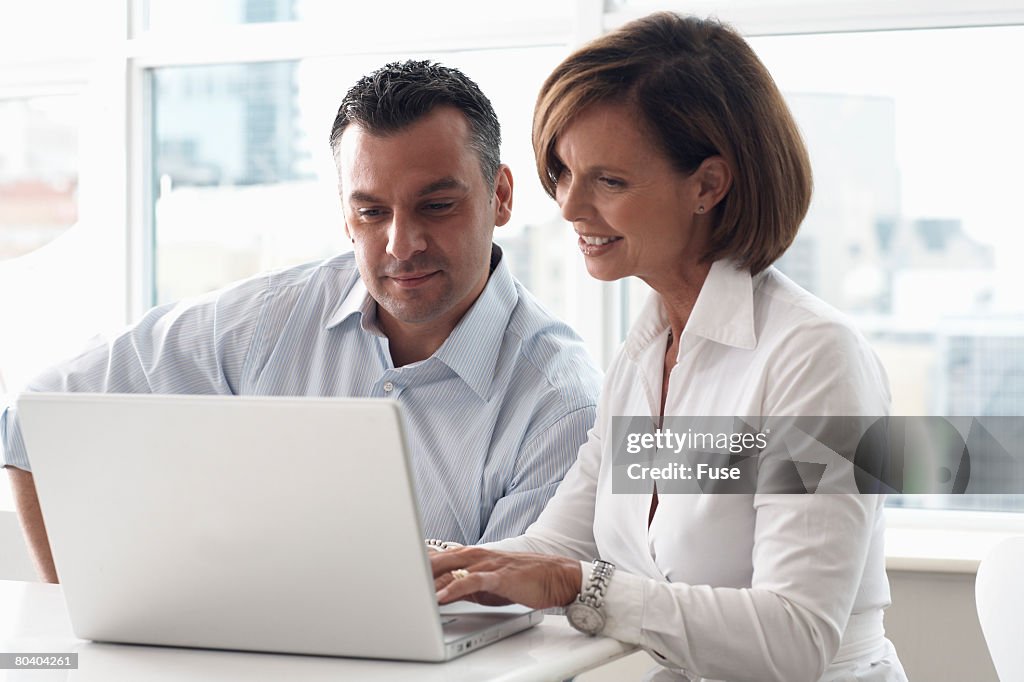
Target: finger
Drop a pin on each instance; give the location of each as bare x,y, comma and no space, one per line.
443,580
466,557
474,583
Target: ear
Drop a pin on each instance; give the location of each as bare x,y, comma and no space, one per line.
715,179
502,196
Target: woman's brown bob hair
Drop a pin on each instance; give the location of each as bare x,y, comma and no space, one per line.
699,90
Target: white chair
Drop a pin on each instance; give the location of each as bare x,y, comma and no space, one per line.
999,593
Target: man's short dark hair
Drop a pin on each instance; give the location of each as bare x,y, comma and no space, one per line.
400,93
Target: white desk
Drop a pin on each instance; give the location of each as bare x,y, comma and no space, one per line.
33,618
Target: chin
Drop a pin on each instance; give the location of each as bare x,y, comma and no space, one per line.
415,314
604,275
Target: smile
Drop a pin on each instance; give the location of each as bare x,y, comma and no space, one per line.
598,241
593,246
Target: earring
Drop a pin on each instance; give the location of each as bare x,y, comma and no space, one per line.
700,209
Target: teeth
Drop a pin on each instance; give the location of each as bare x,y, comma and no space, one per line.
597,241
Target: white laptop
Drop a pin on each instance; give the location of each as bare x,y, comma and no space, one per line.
259,524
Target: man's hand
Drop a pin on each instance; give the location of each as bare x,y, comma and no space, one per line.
32,523
539,581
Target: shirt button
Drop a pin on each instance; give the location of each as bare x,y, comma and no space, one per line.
388,387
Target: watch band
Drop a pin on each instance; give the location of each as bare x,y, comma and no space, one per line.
593,592
585,613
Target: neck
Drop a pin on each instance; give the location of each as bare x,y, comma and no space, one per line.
411,342
679,293
407,348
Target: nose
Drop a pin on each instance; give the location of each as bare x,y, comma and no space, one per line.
573,201
405,238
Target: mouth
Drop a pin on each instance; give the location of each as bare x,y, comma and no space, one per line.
595,245
597,241
413,280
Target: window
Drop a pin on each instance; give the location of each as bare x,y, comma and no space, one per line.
246,180
62,245
38,205
915,145
38,171
240,177
909,110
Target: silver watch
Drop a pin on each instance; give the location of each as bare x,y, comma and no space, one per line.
585,614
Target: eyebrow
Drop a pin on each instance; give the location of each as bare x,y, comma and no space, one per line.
558,160
594,168
363,197
444,183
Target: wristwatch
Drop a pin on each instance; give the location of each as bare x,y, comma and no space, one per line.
585,614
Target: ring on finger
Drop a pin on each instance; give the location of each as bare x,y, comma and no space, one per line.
459,574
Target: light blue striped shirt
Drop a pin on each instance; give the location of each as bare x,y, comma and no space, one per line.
494,417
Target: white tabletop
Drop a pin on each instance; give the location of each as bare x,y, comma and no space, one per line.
33,619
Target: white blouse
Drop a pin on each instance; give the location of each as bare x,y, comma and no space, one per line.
730,586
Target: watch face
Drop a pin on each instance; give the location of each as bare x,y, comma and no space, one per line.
585,618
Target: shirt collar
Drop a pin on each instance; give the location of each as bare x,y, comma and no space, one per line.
472,349
724,311
357,301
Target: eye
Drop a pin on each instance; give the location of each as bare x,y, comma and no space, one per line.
563,181
556,170
438,206
611,183
370,214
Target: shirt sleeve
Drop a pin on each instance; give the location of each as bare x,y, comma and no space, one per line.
198,346
566,526
540,467
808,558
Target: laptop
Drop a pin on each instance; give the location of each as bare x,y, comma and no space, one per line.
270,524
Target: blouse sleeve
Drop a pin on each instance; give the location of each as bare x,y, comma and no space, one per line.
808,556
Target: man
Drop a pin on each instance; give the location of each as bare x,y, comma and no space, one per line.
497,395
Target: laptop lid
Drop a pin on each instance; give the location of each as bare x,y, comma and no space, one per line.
252,523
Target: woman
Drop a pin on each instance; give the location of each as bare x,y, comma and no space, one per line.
671,151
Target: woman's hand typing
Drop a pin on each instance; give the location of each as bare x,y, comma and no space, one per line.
493,578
